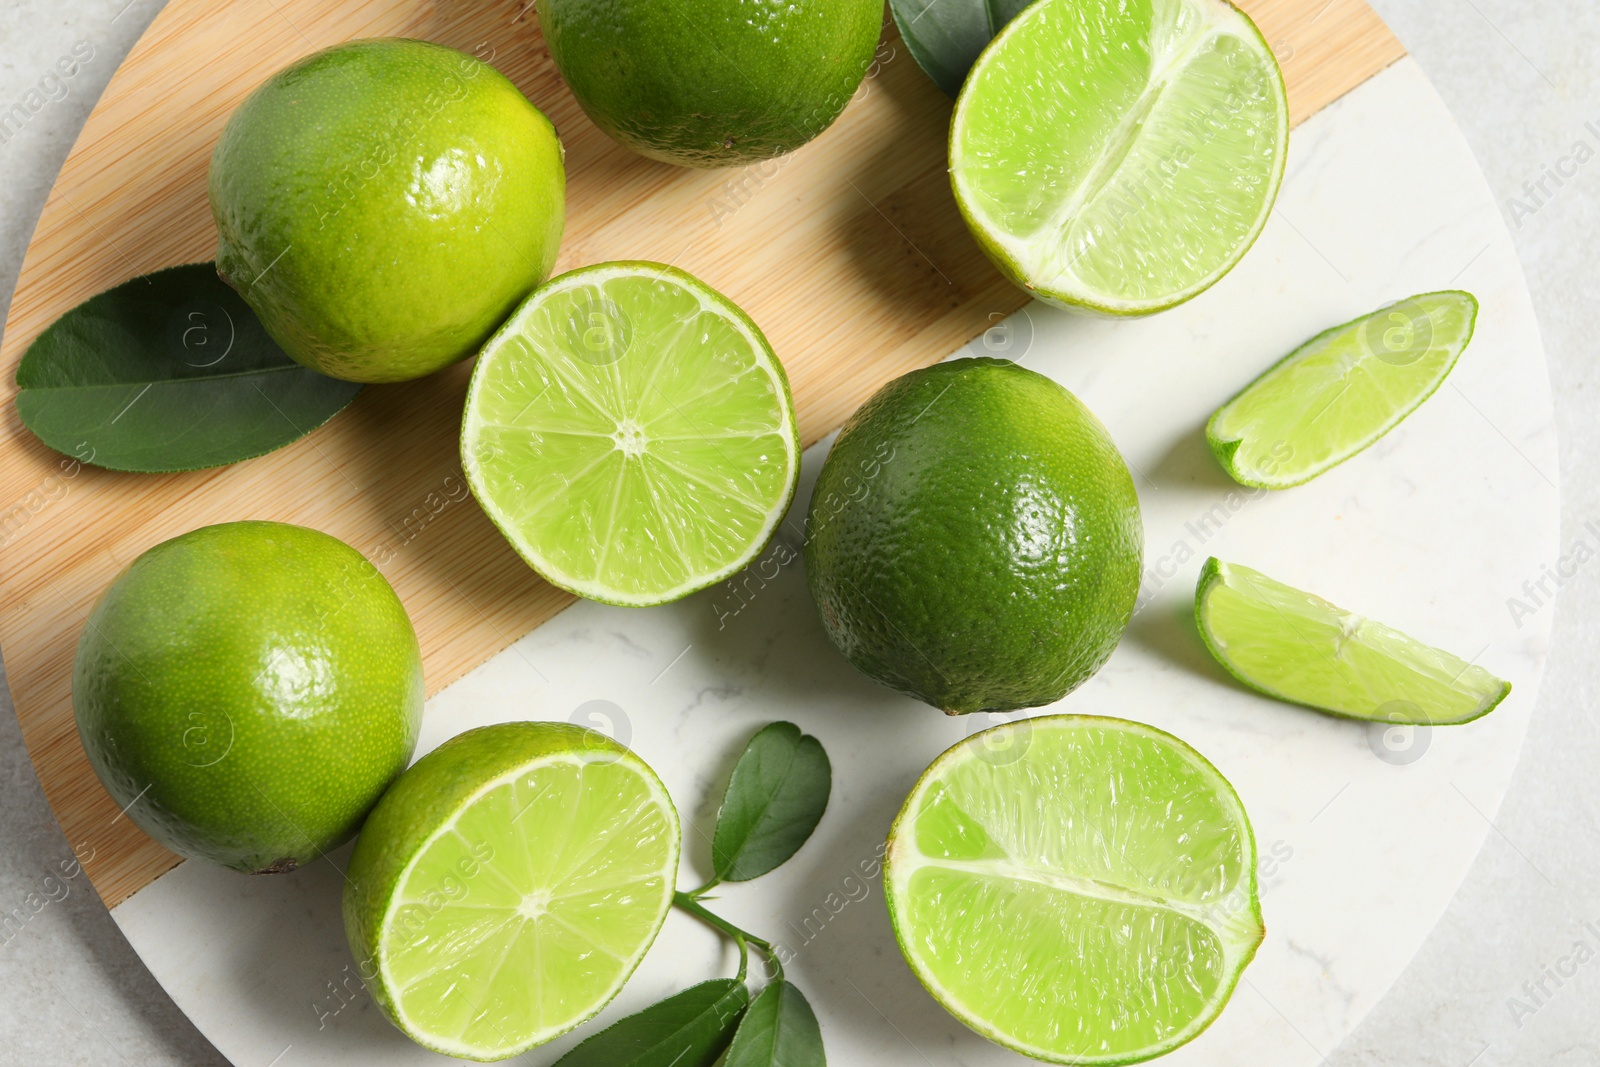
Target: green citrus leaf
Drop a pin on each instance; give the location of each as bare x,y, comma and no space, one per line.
779,1030
689,1029
169,372
945,36
775,798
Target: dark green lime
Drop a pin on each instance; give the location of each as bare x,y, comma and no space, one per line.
712,83
974,538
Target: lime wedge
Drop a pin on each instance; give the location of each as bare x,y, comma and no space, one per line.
1080,890
1300,648
631,433
508,884
1120,157
1341,391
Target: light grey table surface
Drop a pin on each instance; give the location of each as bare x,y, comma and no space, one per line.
1521,77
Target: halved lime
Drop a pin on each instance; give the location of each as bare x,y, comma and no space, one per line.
631,433
1081,890
1297,647
1341,391
1120,157
508,884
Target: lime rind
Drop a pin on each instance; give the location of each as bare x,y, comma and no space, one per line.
1445,309
380,938
783,429
1411,677
1236,921
1208,22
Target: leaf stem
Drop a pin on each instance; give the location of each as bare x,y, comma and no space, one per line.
700,893
689,904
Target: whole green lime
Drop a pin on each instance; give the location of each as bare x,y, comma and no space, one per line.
712,83
246,692
384,205
974,538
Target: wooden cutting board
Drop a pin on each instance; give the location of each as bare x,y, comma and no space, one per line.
849,254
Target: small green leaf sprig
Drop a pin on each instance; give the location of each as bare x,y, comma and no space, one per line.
775,797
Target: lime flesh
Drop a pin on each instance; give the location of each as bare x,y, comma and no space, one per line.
1341,391
1300,648
631,433
1120,157
508,884
1080,890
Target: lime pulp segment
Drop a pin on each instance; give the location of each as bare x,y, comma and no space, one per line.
1081,890
1120,157
1298,647
524,914
631,433
1341,391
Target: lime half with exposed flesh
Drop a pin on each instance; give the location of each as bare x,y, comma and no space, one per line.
1117,157
508,884
630,432
1080,890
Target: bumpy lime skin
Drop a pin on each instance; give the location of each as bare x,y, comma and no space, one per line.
384,205
428,795
247,692
974,539
712,83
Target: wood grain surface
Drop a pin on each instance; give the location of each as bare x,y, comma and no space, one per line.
849,254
